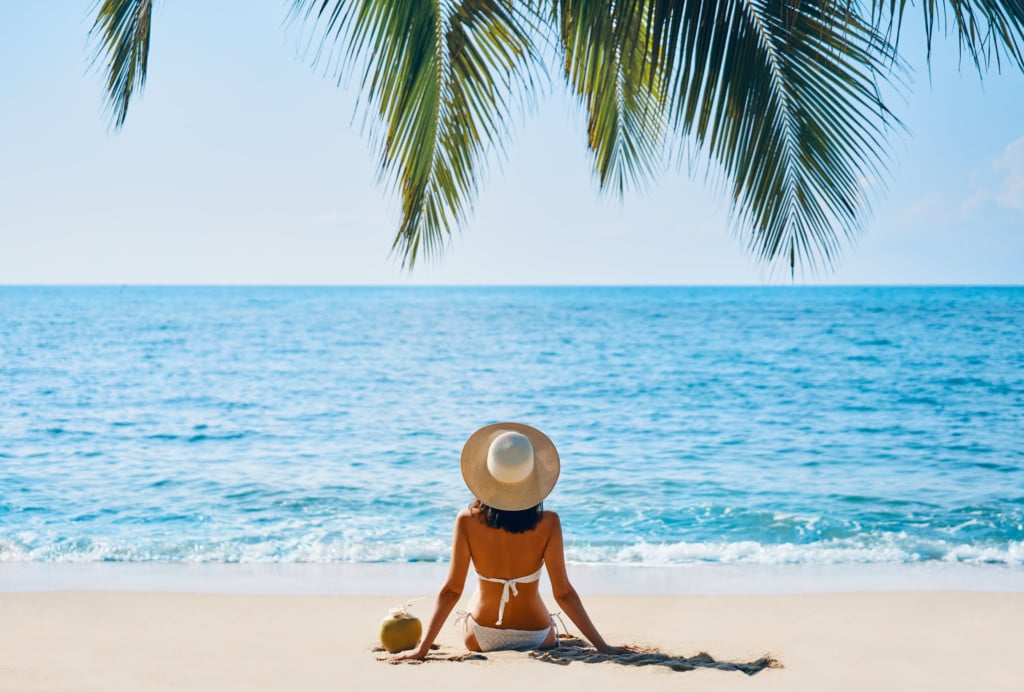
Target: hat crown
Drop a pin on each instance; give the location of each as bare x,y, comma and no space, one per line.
509,466
510,457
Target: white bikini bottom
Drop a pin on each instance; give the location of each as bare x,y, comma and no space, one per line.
501,638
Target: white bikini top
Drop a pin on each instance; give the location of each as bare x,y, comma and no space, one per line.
510,589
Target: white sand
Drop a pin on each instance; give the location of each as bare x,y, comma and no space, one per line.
134,641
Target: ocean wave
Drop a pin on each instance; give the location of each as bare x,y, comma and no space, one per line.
237,551
886,549
883,550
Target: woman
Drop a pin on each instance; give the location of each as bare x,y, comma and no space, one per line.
506,534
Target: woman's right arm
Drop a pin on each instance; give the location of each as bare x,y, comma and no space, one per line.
565,595
450,592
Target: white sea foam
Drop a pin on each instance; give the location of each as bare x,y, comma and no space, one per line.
891,549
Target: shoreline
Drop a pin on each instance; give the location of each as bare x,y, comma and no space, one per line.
421,579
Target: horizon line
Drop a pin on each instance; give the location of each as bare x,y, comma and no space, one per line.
507,286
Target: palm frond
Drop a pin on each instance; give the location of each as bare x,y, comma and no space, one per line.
442,80
989,31
121,32
608,65
783,95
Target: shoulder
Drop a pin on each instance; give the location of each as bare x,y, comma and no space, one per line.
465,516
550,519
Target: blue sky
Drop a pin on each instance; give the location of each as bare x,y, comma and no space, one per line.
242,164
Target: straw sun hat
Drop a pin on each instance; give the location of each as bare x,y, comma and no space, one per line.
510,466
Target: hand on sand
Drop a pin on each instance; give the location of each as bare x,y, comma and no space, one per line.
414,655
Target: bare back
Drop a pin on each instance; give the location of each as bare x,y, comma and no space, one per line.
499,554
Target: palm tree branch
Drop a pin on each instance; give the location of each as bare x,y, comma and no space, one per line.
619,85
440,81
989,31
783,95
122,30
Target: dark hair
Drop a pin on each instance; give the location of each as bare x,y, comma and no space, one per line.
513,521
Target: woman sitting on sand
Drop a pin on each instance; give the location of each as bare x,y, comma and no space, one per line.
510,468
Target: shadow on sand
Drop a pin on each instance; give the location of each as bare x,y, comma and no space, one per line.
571,649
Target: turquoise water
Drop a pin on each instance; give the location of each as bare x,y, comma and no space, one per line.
696,425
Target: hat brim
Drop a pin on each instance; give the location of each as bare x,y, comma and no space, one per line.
510,496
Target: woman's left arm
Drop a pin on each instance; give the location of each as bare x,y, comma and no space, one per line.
566,596
450,592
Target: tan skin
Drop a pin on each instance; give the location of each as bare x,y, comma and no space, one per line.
503,555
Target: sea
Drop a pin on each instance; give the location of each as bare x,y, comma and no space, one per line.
769,426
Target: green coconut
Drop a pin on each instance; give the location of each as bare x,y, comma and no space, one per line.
400,630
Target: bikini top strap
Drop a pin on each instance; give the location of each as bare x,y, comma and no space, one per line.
510,588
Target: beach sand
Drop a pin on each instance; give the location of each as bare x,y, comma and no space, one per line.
123,640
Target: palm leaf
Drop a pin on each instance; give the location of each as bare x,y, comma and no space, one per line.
609,67
441,80
121,31
783,95
989,31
